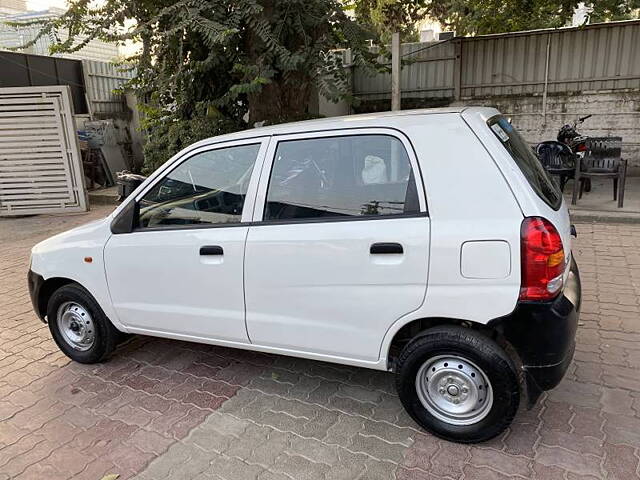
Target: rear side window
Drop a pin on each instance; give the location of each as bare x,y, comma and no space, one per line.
526,160
347,176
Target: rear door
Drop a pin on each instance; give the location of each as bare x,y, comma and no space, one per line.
340,242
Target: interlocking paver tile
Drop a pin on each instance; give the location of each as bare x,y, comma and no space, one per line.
300,468
167,409
620,461
580,464
506,464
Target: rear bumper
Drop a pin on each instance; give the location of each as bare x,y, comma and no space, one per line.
543,335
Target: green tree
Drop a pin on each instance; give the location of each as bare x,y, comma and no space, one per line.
608,10
383,17
207,67
477,17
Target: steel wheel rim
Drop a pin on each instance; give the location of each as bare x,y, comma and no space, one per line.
454,389
76,326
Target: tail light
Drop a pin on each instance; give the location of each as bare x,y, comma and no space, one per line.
542,260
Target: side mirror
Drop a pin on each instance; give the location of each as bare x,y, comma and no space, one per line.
125,221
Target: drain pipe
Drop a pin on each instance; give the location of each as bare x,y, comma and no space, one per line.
546,82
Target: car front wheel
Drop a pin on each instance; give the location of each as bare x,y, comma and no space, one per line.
458,384
79,326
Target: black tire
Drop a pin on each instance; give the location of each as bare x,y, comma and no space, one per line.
105,335
481,351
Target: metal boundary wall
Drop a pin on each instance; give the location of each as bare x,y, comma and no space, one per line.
26,70
101,79
92,83
596,57
40,163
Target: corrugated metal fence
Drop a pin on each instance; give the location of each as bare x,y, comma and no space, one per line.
24,70
596,57
92,83
429,75
101,80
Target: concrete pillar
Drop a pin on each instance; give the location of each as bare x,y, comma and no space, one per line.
395,71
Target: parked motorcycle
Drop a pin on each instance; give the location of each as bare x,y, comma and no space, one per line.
570,136
559,157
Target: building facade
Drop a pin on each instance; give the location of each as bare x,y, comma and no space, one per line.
13,37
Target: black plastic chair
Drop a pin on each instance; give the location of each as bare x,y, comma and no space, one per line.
602,160
557,159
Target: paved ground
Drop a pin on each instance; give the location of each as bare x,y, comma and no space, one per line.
166,409
598,204
600,198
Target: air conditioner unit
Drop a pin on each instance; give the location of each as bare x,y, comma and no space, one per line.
427,35
446,35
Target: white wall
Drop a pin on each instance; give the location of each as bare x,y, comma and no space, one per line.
615,113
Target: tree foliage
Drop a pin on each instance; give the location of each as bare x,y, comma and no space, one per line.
477,17
384,17
210,66
609,10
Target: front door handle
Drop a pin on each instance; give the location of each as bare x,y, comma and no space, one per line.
386,248
211,250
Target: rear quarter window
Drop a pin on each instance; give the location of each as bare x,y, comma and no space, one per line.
526,161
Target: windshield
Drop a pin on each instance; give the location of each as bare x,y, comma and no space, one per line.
526,160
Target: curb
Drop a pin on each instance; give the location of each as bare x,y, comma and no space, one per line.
104,196
585,216
101,199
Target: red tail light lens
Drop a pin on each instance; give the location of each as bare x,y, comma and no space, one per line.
542,260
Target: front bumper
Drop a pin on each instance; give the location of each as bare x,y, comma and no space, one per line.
35,281
543,335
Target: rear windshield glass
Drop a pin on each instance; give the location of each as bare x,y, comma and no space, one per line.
526,160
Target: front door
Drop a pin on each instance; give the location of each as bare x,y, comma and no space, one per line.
340,242
180,271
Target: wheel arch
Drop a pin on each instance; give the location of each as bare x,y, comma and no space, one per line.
48,287
403,334
94,285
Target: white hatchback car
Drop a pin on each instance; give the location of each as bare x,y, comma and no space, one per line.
429,243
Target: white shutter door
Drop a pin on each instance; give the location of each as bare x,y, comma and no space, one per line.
40,163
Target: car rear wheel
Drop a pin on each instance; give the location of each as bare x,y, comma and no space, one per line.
79,326
458,384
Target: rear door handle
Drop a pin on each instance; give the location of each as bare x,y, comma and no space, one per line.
211,250
386,248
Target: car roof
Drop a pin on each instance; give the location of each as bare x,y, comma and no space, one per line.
372,120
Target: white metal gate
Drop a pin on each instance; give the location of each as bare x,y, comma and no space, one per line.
40,163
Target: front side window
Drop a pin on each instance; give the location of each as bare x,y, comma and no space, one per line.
348,176
207,188
526,160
